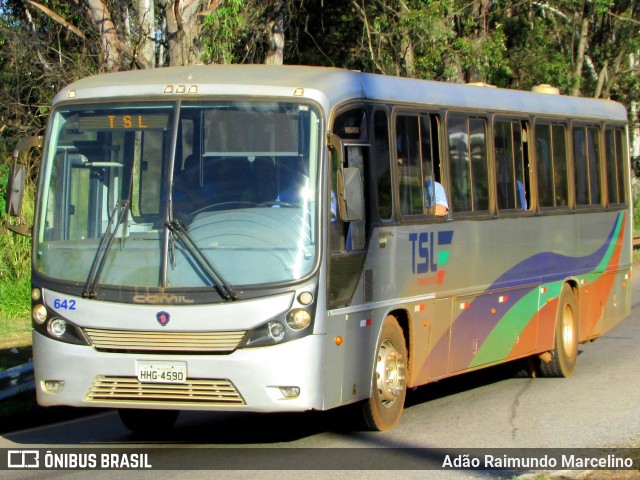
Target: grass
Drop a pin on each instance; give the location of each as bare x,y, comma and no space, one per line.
15,279
15,322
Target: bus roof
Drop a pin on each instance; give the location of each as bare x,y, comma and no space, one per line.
329,87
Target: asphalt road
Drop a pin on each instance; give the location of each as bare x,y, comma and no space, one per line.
597,407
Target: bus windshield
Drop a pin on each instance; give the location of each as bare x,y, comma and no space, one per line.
180,194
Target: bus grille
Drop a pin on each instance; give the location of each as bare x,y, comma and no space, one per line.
144,341
202,392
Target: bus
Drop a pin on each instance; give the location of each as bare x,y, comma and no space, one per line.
250,238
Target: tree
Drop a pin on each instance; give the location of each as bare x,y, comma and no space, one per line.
110,42
448,40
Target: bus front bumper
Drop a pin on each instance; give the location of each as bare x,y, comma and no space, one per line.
280,378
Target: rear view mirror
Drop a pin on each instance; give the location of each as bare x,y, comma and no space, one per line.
15,190
16,184
15,194
351,198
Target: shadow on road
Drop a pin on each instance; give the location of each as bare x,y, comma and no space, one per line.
94,426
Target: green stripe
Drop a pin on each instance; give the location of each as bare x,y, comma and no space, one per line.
504,335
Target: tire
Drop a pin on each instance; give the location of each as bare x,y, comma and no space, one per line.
565,351
389,383
148,421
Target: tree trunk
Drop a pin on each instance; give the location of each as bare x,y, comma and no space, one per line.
406,45
183,28
582,45
275,51
108,35
146,20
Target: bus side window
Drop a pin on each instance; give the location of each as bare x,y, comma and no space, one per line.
382,163
409,165
586,162
551,159
458,163
468,163
511,166
521,153
613,138
561,181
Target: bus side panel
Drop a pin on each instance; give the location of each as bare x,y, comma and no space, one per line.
617,306
482,292
606,300
430,341
490,326
546,323
360,334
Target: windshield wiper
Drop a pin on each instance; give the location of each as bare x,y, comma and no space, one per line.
118,214
224,288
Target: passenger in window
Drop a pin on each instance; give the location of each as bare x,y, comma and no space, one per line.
435,197
522,196
505,185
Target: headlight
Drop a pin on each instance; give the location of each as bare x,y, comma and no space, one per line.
276,331
39,313
57,327
299,319
284,328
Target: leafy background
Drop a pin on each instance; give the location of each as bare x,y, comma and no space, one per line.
584,47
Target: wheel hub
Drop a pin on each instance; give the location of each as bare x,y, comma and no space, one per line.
389,373
568,332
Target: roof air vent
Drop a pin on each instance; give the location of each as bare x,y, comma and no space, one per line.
546,88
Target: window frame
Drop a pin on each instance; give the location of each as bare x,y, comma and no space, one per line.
553,124
527,181
469,116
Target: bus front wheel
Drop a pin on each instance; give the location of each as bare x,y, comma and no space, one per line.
148,421
389,385
563,357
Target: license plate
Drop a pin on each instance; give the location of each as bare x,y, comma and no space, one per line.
162,372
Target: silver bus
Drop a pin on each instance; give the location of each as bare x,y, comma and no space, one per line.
285,239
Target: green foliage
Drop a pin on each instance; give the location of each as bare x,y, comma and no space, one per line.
635,190
235,32
508,43
15,252
224,23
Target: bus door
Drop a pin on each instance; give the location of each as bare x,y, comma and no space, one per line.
348,235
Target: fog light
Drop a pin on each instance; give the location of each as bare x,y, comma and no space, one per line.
290,392
39,313
276,331
57,327
52,386
298,319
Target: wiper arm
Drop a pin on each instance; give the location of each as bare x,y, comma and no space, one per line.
118,214
224,288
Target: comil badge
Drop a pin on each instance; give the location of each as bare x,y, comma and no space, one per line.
163,318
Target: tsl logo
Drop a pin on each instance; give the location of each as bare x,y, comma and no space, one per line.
428,257
163,318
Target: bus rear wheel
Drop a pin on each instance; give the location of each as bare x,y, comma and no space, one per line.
148,421
565,352
389,385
